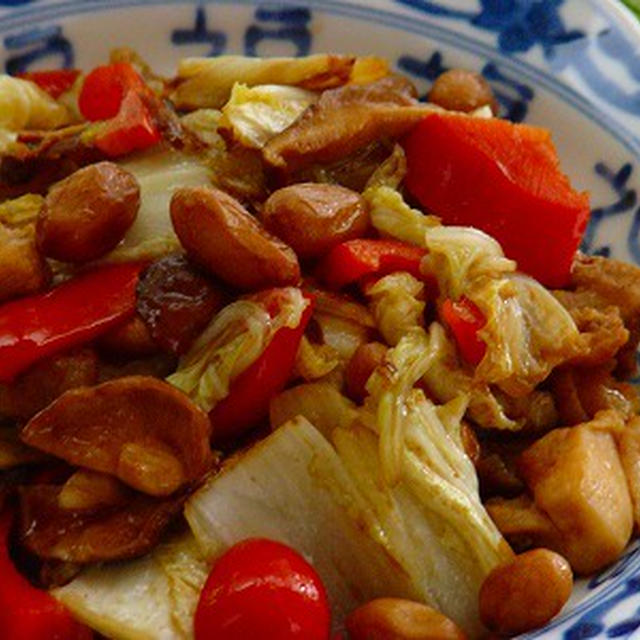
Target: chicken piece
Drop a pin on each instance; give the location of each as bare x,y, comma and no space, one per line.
629,450
114,533
22,269
139,429
577,479
580,392
38,387
523,524
344,120
602,282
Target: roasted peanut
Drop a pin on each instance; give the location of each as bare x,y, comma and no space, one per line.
313,218
22,269
525,593
360,367
397,619
221,236
462,90
87,214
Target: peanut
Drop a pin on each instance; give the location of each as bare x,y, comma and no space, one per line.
360,367
461,90
525,593
313,218
220,235
87,214
397,619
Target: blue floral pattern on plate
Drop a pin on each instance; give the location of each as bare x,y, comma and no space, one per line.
575,61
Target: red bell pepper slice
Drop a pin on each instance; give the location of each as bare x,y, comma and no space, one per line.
105,87
27,613
54,82
118,94
464,319
133,129
248,401
504,179
70,315
353,260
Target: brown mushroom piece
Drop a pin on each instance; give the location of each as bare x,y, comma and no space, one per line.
177,301
344,120
142,430
45,381
82,536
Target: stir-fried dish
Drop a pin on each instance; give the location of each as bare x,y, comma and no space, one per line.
286,352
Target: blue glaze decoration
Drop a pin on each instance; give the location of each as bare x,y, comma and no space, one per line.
591,623
201,35
520,24
290,24
523,24
513,95
626,200
48,41
14,3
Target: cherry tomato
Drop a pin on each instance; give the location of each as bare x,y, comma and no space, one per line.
262,589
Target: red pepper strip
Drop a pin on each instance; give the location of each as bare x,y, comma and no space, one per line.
27,613
133,129
251,392
54,82
353,260
104,89
70,315
464,319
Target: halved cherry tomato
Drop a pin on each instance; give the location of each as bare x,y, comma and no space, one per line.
262,589
464,319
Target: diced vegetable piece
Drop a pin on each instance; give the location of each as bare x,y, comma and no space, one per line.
261,588
27,613
577,479
502,178
54,82
354,259
464,319
70,315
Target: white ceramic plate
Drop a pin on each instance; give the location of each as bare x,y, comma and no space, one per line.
570,65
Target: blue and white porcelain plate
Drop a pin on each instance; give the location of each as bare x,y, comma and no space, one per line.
570,65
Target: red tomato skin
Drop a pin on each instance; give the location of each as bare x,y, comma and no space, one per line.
262,589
